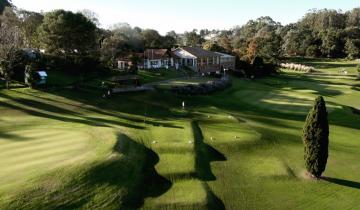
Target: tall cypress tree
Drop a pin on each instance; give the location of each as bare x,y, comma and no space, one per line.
316,138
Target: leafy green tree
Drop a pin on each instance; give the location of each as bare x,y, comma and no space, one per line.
120,41
91,15
322,33
292,42
352,48
168,42
353,18
316,138
151,38
332,43
132,38
312,51
213,46
224,42
260,37
193,39
29,23
322,20
67,32
178,39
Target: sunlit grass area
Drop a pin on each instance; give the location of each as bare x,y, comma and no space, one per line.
329,66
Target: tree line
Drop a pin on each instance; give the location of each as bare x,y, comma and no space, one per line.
75,35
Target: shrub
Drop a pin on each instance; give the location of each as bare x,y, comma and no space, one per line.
316,138
297,67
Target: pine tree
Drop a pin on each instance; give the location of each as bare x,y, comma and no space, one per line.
316,138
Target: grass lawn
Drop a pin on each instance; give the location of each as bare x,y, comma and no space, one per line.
236,149
329,66
59,78
159,74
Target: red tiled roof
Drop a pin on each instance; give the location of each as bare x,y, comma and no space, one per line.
154,54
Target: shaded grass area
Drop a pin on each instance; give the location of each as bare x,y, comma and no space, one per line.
167,85
149,76
343,182
205,154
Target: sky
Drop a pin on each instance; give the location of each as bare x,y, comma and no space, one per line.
186,15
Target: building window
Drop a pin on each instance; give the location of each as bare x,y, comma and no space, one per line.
190,62
154,63
164,62
210,61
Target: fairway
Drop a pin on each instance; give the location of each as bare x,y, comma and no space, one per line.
237,149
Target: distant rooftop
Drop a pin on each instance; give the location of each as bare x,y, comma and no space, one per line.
225,55
199,52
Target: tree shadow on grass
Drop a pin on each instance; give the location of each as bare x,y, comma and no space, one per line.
342,182
122,182
355,111
36,108
85,120
143,182
10,136
204,155
355,87
58,109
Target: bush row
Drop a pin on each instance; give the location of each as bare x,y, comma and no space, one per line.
203,88
297,67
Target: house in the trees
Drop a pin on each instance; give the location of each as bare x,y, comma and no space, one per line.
198,59
157,58
127,62
227,62
124,63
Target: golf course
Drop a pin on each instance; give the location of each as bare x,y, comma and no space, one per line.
240,148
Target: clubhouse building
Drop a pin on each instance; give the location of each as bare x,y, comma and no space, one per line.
195,58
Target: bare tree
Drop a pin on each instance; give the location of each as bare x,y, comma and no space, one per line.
10,42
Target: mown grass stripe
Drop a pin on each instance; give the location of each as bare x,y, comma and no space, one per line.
70,149
37,147
12,144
